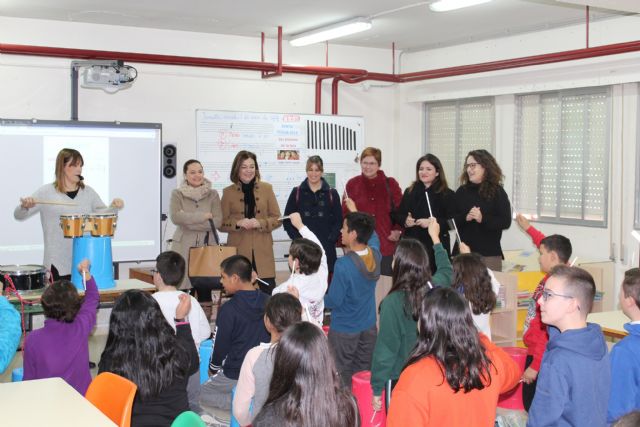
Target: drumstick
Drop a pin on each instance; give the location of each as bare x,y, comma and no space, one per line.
54,202
429,204
84,281
456,228
282,218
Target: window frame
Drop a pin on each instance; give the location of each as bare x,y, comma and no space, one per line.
607,90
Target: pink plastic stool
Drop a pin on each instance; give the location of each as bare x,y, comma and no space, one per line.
361,389
513,399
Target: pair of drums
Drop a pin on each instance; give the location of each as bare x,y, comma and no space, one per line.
99,225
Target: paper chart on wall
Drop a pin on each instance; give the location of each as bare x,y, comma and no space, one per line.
282,143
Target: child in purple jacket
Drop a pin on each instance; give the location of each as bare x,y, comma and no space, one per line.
61,347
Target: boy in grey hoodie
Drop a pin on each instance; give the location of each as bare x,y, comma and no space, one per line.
575,377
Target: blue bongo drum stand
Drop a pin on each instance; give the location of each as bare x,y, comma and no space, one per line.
98,251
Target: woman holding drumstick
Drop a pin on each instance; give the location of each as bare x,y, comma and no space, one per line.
66,195
427,197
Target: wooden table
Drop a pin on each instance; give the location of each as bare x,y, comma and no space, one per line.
141,273
611,322
49,402
107,297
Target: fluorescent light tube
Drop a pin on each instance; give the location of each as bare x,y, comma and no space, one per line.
447,5
331,32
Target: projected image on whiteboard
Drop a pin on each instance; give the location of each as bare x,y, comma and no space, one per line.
120,161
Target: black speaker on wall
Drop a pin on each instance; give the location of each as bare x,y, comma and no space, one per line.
169,174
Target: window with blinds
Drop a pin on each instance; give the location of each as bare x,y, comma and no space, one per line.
454,128
561,155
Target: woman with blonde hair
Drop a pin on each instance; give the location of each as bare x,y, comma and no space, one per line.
70,195
319,207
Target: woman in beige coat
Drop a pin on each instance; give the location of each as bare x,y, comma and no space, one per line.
193,204
250,213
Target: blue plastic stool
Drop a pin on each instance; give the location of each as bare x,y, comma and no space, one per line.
16,375
233,422
206,349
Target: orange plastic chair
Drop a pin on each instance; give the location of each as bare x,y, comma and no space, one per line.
113,395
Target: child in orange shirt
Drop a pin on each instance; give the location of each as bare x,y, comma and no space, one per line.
455,374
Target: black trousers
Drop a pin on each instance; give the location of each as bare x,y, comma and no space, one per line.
528,390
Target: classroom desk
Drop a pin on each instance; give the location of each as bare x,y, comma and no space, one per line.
107,297
611,323
49,402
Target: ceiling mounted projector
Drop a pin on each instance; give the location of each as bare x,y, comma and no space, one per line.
109,77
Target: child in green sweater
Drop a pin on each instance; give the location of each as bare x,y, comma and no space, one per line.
411,279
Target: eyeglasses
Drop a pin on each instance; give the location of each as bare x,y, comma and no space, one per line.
471,165
546,294
153,271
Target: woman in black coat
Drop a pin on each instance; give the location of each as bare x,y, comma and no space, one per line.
320,209
415,212
483,207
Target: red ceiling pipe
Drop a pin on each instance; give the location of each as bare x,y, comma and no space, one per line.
319,80
147,58
548,58
278,72
587,18
334,88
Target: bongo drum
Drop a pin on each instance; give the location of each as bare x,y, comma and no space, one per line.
28,278
72,225
101,224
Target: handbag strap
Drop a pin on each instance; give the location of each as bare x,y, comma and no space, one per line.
215,233
393,205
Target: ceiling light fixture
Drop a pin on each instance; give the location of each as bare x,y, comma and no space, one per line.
329,32
447,5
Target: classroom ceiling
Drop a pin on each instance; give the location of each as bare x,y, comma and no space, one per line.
408,23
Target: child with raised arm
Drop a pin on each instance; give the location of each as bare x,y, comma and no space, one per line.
554,250
351,297
61,347
167,277
309,272
625,355
399,311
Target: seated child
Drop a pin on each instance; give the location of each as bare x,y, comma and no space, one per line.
554,250
143,348
61,347
239,327
167,276
351,297
625,355
575,375
309,271
281,311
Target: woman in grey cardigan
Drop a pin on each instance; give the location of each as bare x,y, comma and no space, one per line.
68,188
193,204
